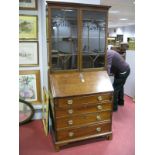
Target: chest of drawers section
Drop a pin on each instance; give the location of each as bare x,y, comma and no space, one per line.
82,117
81,106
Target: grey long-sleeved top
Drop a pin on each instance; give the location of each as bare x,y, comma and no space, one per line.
115,63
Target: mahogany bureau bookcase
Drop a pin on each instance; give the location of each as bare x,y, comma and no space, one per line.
80,87
81,106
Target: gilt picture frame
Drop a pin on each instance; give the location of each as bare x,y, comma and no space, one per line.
45,110
131,43
29,85
28,4
28,27
28,53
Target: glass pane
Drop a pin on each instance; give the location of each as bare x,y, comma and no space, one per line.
93,36
64,39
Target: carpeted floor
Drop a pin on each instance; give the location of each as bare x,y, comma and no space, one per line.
33,141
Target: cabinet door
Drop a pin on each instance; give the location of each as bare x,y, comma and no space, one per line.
93,39
64,39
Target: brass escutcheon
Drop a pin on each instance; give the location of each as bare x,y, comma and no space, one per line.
70,122
70,111
71,134
99,98
99,107
70,102
98,117
98,129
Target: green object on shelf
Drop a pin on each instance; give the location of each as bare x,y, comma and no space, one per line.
131,45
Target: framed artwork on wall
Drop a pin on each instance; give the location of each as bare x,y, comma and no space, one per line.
45,110
131,43
111,40
28,53
28,27
119,38
28,4
29,85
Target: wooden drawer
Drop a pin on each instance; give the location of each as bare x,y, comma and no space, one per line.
83,131
84,119
83,109
75,101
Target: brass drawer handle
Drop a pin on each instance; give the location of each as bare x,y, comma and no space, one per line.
98,117
70,111
70,102
99,98
71,134
99,107
98,129
70,122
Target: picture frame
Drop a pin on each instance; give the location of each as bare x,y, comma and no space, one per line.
28,27
131,39
28,4
119,38
111,40
45,111
29,86
28,53
131,43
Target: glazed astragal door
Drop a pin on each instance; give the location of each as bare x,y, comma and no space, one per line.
93,38
64,39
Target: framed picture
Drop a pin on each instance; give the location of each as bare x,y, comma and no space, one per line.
28,53
119,38
131,43
28,4
130,39
29,86
45,110
28,27
111,40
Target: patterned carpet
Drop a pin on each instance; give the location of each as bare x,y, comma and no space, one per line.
34,142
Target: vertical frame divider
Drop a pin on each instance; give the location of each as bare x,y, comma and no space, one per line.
106,40
80,38
50,37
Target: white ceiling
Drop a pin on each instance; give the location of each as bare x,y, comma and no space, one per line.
120,9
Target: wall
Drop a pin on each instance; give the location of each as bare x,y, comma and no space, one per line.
43,58
79,1
129,87
43,67
127,31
